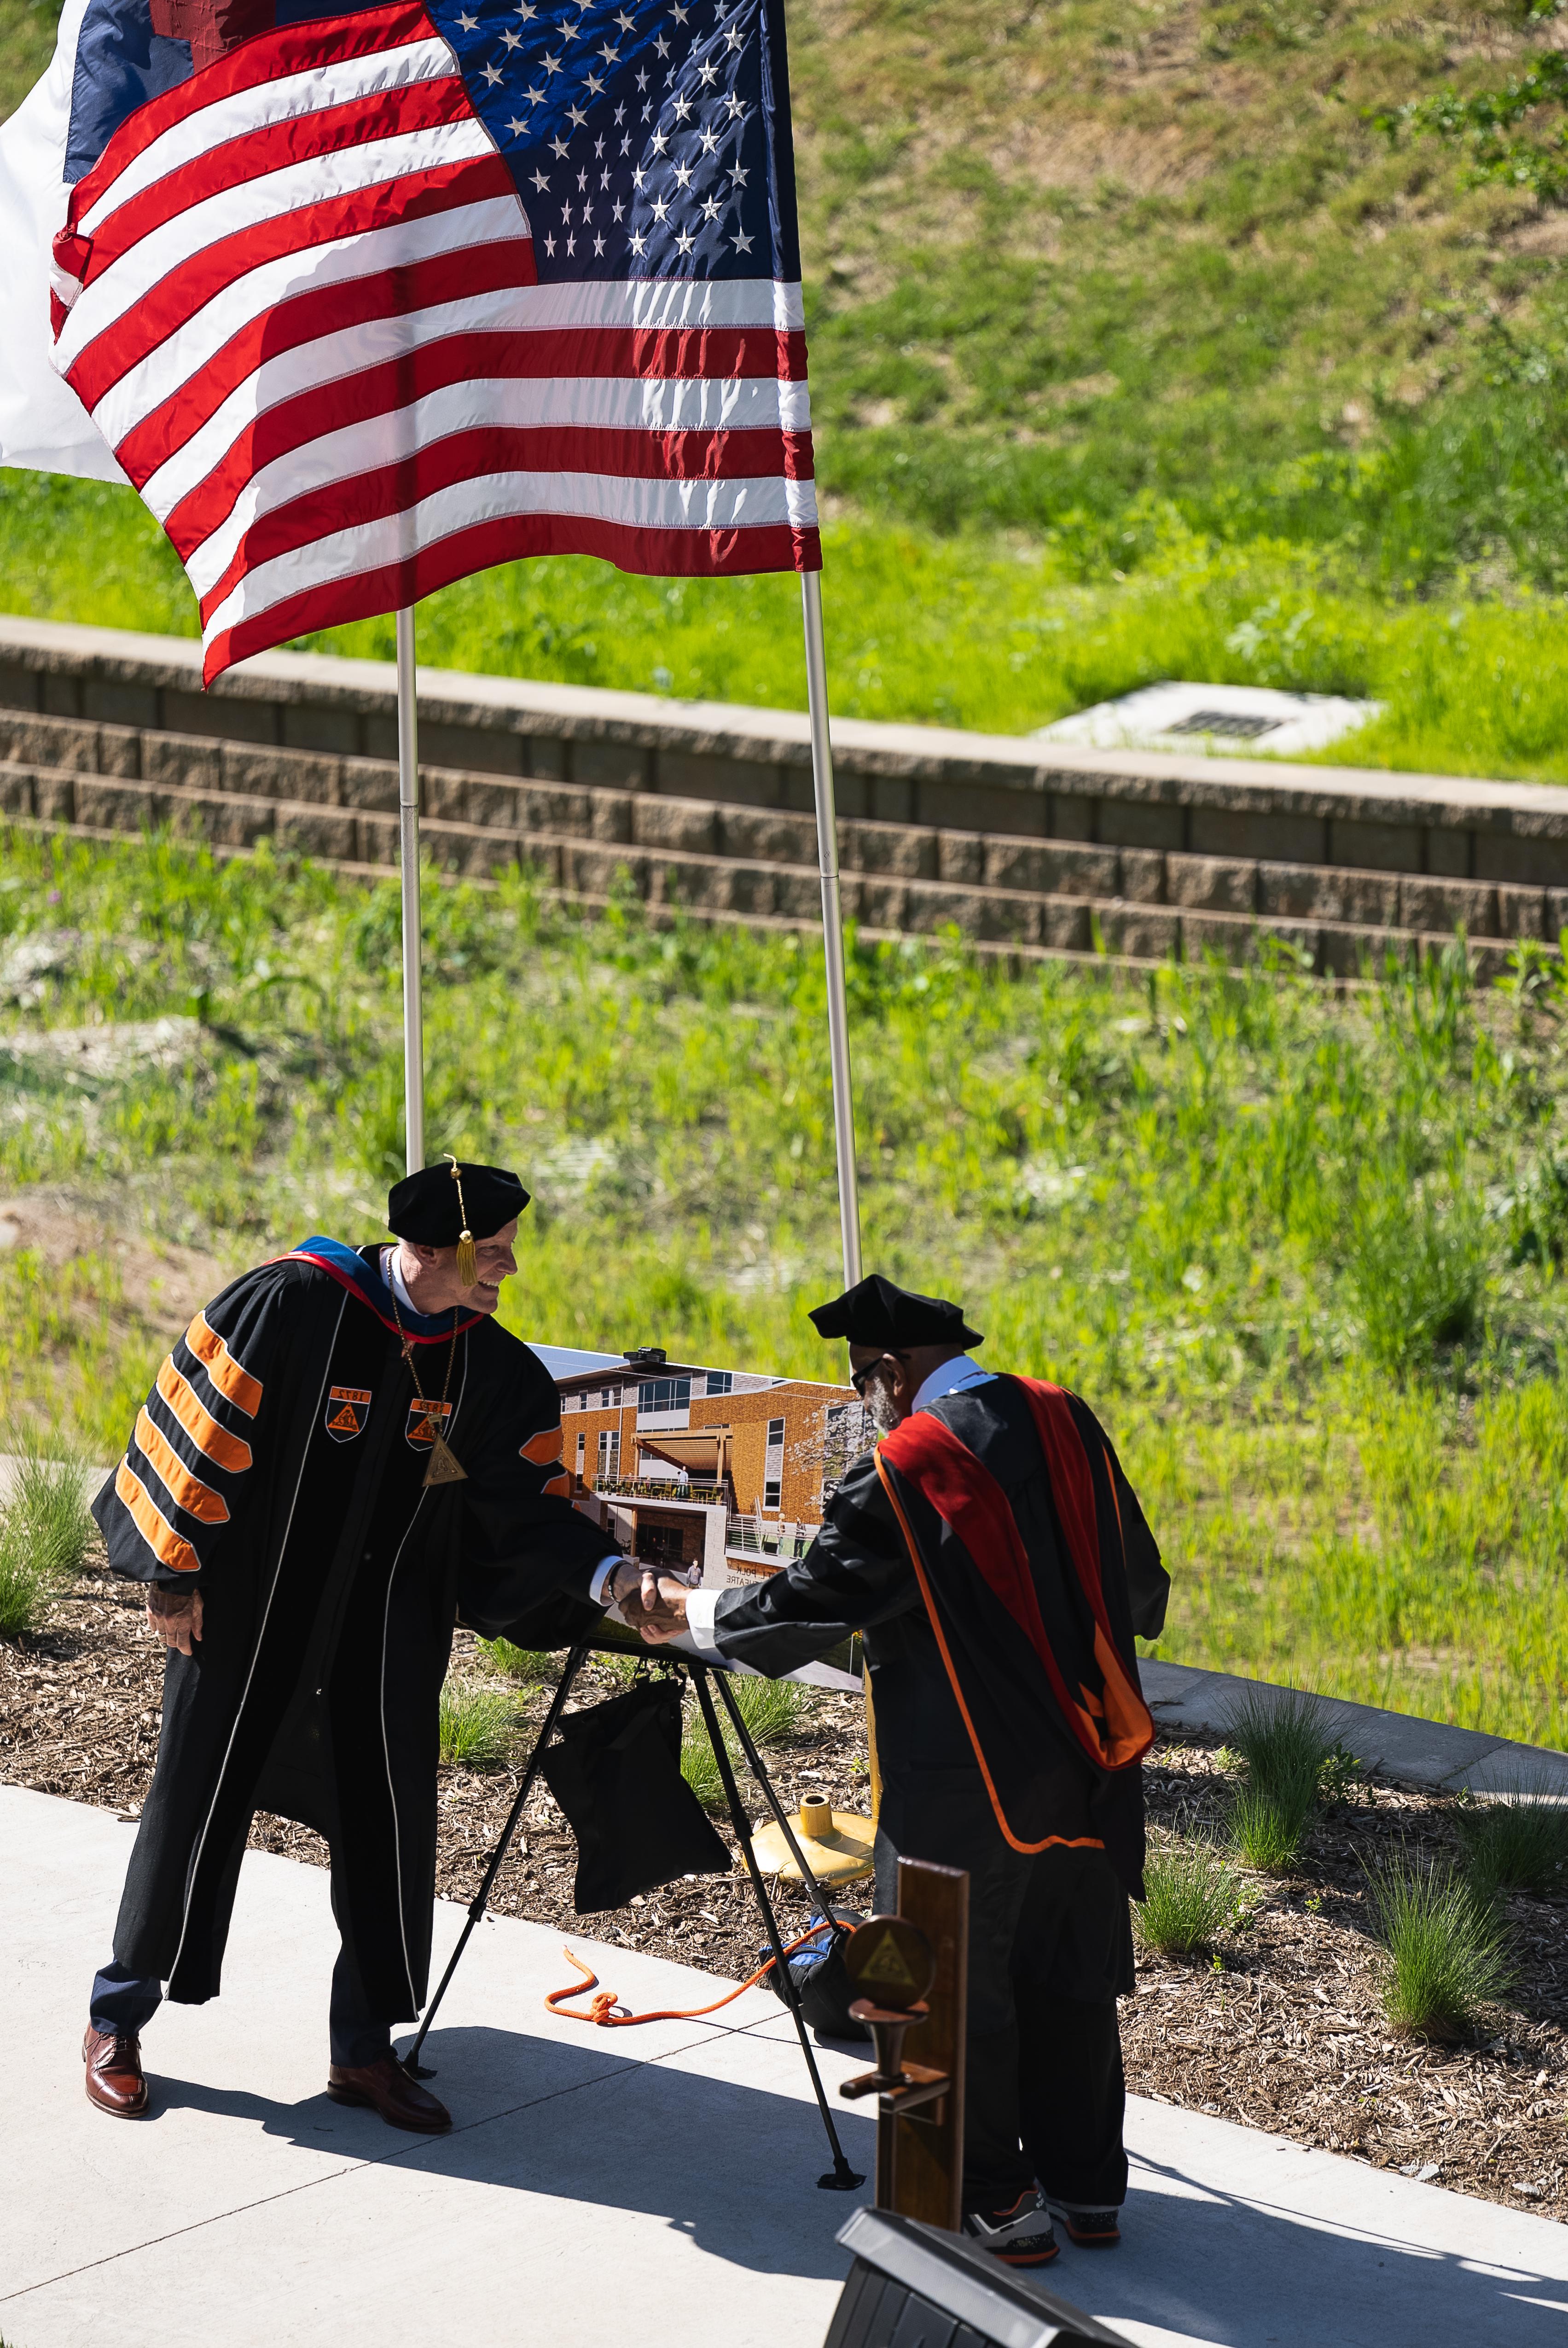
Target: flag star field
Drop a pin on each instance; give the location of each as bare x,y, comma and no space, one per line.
638,137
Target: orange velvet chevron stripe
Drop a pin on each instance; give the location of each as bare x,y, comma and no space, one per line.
226,1374
544,1448
186,1490
166,1544
224,1449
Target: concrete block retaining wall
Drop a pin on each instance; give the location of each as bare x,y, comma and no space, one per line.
1014,841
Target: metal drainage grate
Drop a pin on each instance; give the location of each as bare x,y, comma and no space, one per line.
1225,721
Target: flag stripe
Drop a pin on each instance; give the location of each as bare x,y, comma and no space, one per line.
685,425
227,336
252,112
675,380
379,469
292,201
265,169
658,554
648,507
290,50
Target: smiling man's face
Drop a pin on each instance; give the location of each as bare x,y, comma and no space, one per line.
430,1274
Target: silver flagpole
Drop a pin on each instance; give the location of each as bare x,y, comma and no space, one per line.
409,857
832,923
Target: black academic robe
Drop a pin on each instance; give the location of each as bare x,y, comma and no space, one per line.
952,1710
278,1466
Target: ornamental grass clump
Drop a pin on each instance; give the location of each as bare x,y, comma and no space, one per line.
699,1766
770,1709
45,1532
1445,1949
477,1725
1190,1895
529,1667
1287,1747
1517,1844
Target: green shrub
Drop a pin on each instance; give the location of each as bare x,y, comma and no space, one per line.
1190,1895
524,1664
45,1534
48,1506
477,1725
698,1766
1444,1950
1268,1829
26,1592
771,1709
1518,1844
1284,1739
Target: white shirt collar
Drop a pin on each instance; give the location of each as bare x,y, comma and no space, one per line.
391,1272
951,1377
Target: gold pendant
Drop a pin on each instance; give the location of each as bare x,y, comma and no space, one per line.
444,1467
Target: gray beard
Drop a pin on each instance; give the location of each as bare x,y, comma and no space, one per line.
880,1404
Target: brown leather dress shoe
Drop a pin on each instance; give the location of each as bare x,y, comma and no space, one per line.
386,2088
115,2079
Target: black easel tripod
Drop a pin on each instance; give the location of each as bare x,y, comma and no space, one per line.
841,2178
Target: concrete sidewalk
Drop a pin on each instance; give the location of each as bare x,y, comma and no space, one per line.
1396,1744
651,2185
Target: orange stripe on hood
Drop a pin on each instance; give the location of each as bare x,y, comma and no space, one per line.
226,1374
151,1523
224,1449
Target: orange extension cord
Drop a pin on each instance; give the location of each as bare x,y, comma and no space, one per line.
603,2008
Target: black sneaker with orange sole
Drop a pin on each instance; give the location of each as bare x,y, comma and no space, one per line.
1019,2233
1091,2230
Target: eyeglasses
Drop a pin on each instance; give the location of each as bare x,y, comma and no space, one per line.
860,1379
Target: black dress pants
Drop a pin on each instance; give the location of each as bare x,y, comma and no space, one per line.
1050,1951
121,2001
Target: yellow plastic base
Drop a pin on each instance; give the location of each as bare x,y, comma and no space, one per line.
835,1856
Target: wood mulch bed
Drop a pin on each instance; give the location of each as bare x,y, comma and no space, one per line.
1279,2027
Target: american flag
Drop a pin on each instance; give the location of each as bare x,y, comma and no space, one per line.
372,301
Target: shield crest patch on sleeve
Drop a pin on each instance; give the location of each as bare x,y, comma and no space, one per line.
348,1409
426,1420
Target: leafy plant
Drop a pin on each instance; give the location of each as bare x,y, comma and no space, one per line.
1517,1844
1190,1895
25,1594
45,1534
1283,1738
1288,1751
699,1766
1492,126
524,1664
771,1709
1268,1829
477,1725
48,1508
1445,1950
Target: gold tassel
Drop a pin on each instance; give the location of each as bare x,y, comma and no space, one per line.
467,1254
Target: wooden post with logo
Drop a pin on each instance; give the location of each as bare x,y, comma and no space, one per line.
912,1970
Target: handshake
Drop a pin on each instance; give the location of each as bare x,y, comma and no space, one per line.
648,1601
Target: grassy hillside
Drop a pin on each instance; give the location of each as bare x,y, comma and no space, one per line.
1302,1253
1136,350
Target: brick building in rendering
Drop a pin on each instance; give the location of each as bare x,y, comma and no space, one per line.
723,1470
